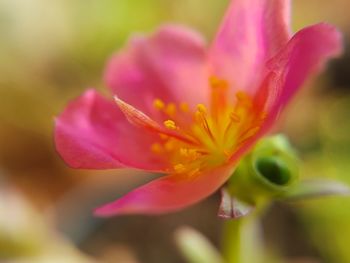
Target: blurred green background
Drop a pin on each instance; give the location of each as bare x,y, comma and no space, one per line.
51,51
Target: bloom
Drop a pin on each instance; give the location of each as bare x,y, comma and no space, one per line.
190,111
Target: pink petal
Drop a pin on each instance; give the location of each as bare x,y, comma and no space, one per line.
251,33
93,133
305,54
171,65
168,193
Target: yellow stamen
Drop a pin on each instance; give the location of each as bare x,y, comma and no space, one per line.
158,104
156,148
194,172
215,133
170,125
240,95
235,117
179,168
227,153
169,145
219,95
189,154
170,109
248,134
184,107
243,99
217,83
202,121
198,117
184,152
202,109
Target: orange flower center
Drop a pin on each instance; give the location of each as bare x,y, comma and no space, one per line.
207,138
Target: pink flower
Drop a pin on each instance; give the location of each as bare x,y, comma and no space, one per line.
190,111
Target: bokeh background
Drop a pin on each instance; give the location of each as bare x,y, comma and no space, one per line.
51,51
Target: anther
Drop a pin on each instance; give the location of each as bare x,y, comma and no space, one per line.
194,172
240,95
158,104
179,168
170,109
190,154
169,145
202,109
170,125
156,148
243,99
184,107
183,152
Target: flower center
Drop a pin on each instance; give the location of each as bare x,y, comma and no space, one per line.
207,138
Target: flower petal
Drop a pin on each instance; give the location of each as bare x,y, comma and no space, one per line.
168,193
251,33
305,54
93,133
170,65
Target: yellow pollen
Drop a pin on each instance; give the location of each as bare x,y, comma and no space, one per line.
184,107
169,146
170,109
194,172
156,148
244,99
184,152
179,168
190,154
201,108
158,104
213,135
170,125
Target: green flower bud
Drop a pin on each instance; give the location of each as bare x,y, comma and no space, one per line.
267,172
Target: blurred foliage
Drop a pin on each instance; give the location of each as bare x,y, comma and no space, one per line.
328,220
26,235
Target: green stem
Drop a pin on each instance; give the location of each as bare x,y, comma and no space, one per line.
242,240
